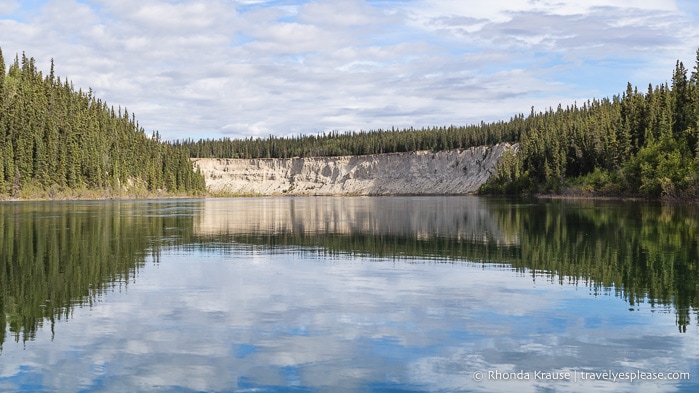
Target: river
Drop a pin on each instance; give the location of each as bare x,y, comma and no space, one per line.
349,294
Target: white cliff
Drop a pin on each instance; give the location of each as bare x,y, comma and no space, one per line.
452,172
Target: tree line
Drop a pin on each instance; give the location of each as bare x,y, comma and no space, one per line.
55,140
353,143
639,143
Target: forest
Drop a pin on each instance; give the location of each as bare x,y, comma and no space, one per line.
58,142
640,144
635,143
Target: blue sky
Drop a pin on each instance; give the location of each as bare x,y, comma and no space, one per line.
241,68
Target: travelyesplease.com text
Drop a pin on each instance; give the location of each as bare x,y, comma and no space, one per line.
580,375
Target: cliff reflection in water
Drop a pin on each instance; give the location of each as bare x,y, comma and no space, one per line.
378,226
644,253
56,256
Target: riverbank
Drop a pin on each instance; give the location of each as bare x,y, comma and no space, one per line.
86,194
576,194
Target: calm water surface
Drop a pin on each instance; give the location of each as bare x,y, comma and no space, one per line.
453,294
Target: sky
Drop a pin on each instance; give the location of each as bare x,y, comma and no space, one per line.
254,68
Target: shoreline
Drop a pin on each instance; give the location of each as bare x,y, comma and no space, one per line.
620,198
7,199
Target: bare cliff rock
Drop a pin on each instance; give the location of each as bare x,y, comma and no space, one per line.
451,172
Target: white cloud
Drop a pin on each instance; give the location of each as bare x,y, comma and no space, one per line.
205,69
8,6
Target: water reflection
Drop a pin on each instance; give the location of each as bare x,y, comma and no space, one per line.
641,252
56,256
276,322
465,219
345,294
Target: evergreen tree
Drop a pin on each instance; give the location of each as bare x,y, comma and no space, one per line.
54,138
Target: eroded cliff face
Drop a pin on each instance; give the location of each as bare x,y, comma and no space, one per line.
451,172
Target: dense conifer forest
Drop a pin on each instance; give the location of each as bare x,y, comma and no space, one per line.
642,144
59,142
636,143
